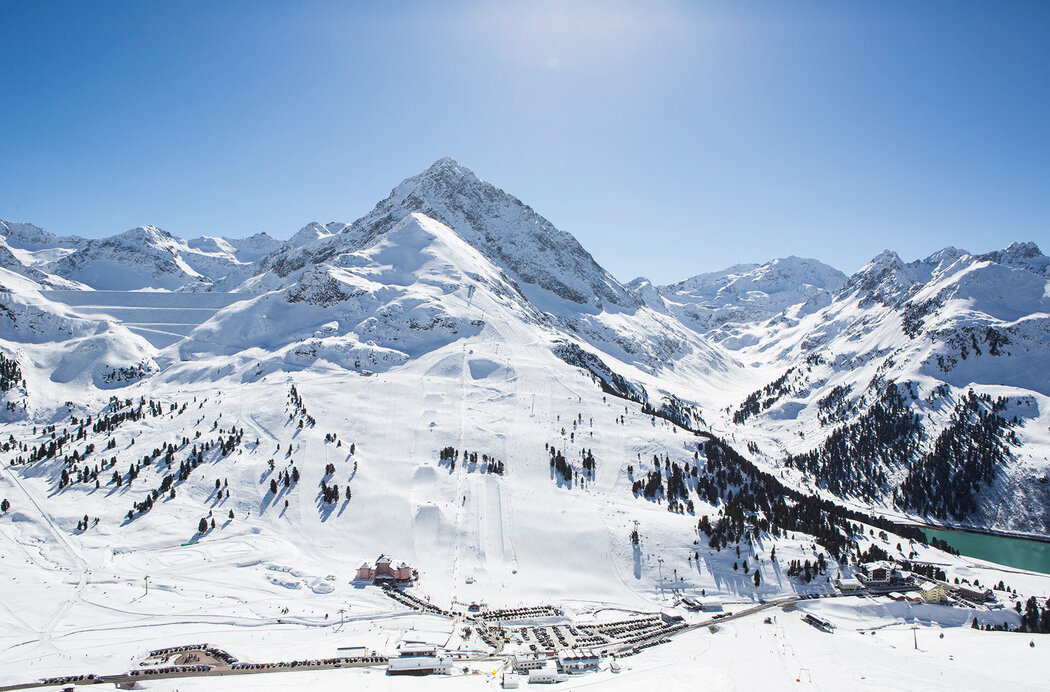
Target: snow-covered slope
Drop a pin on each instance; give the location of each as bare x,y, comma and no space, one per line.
413,290
789,353
61,354
537,256
26,236
144,258
553,279
715,303
149,258
454,381
315,231
27,249
932,329
244,250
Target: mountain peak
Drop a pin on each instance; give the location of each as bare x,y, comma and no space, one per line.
448,167
884,258
143,234
1020,255
444,178
26,235
509,233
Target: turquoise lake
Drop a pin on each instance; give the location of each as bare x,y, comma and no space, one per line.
1014,552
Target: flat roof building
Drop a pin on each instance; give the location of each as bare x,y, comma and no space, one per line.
419,665
548,674
577,660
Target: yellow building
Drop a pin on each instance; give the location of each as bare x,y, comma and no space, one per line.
931,592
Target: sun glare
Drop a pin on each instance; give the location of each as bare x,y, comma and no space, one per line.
586,36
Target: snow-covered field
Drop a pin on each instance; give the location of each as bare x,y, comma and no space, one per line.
76,600
211,456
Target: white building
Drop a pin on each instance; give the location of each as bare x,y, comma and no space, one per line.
419,665
415,659
523,663
711,605
848,584
546,675
410,650
578,660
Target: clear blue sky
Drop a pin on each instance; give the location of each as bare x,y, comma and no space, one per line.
669,138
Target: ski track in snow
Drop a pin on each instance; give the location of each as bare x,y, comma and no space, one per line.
431,322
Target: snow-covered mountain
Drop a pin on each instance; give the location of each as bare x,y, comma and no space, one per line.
788,354
545,272
150,258
452,380
535,254
869,395
315,231
716,303
236,250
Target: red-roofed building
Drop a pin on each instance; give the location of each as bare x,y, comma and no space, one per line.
384,570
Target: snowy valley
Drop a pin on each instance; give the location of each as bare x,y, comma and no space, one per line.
203,440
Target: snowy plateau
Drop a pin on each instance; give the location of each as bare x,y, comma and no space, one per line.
709,484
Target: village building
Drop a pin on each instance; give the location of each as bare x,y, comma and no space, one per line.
384,570
578,660
419,660
849,584
524,663
931,592
881,576
414,650
548,674
703,604
419,665
877,573
975,593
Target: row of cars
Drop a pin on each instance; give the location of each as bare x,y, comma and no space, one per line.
168,670
314,662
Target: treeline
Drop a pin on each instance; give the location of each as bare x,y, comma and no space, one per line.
10,374
678,479
298,409
854,458
805,571
165,455
450,455
761,399
567,472
945,481
676,411
118,412
834,407
1034,619
793,381
753,502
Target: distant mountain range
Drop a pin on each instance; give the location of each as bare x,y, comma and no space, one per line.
918,387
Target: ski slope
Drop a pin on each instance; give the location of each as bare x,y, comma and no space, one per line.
453,316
